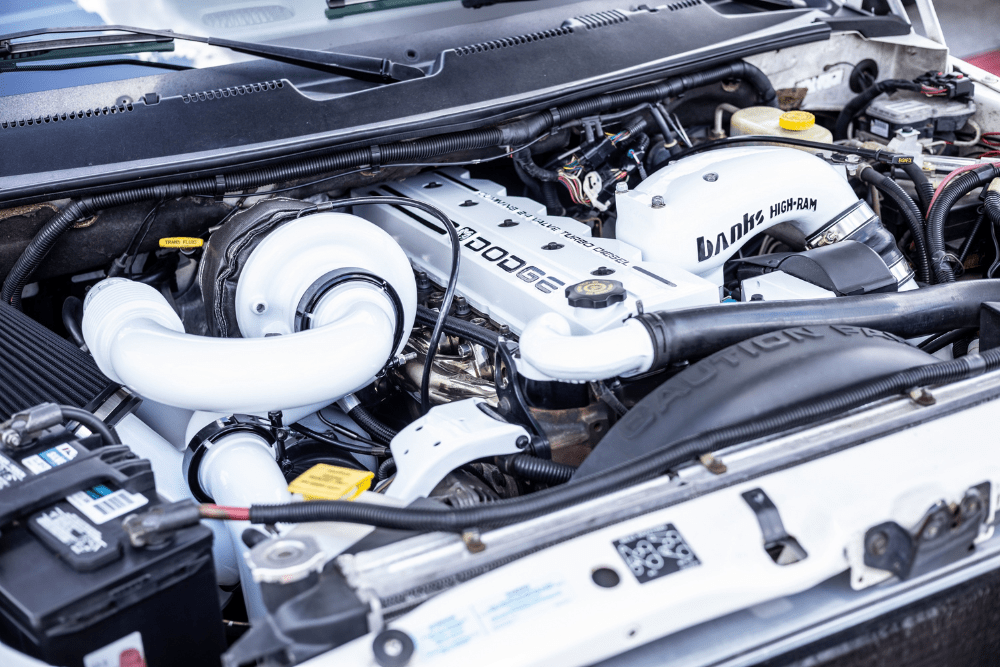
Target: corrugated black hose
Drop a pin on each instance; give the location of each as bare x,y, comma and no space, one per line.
539,470
456,327
371,425
925,191
962,185
648,466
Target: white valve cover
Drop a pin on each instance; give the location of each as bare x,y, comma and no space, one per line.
515,271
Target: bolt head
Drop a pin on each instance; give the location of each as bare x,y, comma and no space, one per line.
878,543
621,186
711,177
10,438
657,202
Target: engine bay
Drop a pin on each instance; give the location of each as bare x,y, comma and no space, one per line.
382,379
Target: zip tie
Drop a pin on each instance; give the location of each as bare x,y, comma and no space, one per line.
376,159
220,187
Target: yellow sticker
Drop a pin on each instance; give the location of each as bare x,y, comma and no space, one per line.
184,242
327,482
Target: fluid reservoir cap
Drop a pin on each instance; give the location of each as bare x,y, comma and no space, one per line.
796,120
595,293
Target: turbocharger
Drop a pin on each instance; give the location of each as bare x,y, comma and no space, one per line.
305,309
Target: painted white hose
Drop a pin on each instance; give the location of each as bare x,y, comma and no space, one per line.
549,347
138,340
238,471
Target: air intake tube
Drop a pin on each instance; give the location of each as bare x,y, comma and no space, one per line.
322,303
700,211
663,337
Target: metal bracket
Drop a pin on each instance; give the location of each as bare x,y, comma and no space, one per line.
945,534
447,437
779,545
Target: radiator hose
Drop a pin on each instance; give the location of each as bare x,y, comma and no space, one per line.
697,332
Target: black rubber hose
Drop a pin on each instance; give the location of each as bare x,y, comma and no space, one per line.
371,425
960,186
941,341
355,448
914,218
858,104
533,468
93,424
925,191
972,235
648,466
387,468
456,327
72,319
694,333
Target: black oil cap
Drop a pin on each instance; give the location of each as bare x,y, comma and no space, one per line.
595,293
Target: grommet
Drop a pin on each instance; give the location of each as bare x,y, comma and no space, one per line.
392,648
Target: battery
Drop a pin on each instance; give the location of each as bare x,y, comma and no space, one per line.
73,590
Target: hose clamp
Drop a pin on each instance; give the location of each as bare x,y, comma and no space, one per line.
207,437
315,292
842,226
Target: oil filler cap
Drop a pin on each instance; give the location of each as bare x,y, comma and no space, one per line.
595,293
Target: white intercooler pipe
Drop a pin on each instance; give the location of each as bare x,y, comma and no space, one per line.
138,340
353,328
696,214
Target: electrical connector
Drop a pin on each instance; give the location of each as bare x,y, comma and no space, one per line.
155,527
953,85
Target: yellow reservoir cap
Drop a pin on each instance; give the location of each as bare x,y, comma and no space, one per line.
796,120
181,242
327,482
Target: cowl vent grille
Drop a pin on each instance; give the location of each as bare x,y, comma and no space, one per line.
66,115
233,91
599,19
508,42
684,4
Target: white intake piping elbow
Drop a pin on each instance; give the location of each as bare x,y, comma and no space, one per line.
138,340
549,348
323,302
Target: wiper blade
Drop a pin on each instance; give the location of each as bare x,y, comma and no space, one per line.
366,68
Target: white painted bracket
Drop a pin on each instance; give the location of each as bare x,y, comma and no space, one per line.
445,438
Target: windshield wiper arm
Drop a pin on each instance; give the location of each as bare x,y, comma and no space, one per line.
356,67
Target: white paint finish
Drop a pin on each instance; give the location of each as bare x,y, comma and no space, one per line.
506,273
779,286
446,438
750,193
826,504
299,253
550,351
138,340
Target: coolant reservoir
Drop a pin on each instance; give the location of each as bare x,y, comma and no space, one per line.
778,123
